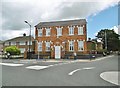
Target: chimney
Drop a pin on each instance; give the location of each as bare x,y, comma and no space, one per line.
24,34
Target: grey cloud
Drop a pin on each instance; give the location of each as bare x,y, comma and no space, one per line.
15,13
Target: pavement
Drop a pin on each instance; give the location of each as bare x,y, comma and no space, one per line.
60,72
51,60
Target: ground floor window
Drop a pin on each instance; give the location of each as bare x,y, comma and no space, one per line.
47,46
40,46
22,50
80,45
71,45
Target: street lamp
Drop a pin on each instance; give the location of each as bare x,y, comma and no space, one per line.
105,40
38,49
29,37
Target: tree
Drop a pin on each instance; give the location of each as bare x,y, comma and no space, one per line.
13,50
112,39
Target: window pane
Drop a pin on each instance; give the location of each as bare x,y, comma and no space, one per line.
80,31
13,43
47,46
22,43
22,50
81,45
71,45
59,31
40,46
71,30
39,32
48,32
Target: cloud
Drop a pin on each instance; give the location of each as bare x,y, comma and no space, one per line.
115,28
15,12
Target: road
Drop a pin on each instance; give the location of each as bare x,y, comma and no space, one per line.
74,73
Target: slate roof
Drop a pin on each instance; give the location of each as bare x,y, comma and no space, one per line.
21,38
61,23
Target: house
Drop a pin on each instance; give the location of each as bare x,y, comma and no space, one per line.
93,46
1,47
22,43
60,39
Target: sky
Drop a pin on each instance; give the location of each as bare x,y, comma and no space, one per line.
99,14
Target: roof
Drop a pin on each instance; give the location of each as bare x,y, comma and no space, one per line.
61,23
21,38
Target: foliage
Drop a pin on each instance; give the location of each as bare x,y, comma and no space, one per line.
112,39
13,50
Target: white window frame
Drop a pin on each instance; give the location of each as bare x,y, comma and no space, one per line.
47,46
6,43
48,31
22,50
40,32
80,30
29,42
13,43
71,45
80,45
22,43
39,46
71,30
59,31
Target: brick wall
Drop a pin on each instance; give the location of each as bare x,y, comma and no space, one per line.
58,41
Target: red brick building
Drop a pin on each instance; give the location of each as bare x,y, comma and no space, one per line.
61,38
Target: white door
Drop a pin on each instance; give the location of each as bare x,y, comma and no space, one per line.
57,52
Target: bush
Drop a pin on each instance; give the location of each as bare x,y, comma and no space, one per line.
13,50
100,51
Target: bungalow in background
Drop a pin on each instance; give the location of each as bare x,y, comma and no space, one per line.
1,47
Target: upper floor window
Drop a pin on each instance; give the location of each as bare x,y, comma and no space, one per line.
80,30
13,43
40,32
59,31
22,43
47,31
80,45
40,46
29,42
6,43
71,45
47,46
71,30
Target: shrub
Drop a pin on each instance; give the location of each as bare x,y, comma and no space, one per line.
13,50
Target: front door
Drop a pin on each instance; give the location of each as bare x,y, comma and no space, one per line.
57,52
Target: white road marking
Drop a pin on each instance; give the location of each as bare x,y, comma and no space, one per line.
111,77
11,64
88,68
36,67
71,73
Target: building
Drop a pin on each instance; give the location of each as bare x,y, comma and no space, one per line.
94,45
59,39
22,43
1,47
